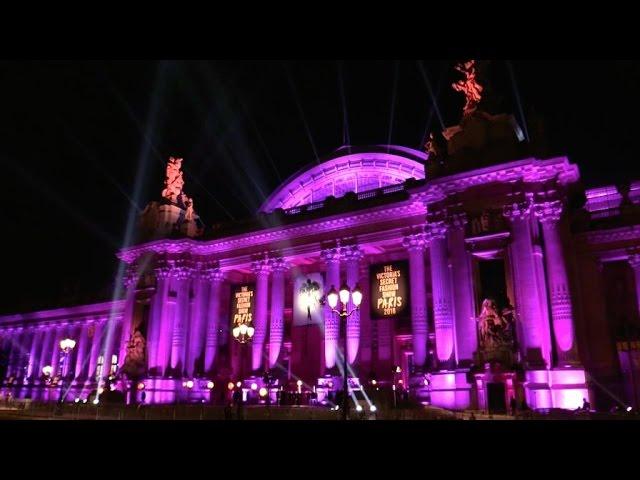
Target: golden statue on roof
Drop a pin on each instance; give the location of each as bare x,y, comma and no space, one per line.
469,86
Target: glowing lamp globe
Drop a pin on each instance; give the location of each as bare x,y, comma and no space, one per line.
210,385
239,384
243,329
230,385
332,297
356,295
299,383
254,386
373,408
344,293
190,384
67,344
359,408
236,332
47,370
263,392
141,386
250,331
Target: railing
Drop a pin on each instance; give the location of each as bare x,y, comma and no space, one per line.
360,196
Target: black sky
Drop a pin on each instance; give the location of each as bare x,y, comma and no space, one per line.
72,135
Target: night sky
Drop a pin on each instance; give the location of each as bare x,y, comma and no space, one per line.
74,135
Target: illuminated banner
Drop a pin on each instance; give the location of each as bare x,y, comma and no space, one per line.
242,303
389,290
308,289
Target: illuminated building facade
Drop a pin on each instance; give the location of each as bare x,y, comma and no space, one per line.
482,280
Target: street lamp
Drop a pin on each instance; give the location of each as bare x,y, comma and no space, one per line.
243,333
332,299
66,346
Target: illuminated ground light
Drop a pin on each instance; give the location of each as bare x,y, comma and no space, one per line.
77,400
373,408
358,408
96,401
629,409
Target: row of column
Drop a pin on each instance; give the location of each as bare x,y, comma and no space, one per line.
182,333
333,257
32,349
453,315
274,269
453,308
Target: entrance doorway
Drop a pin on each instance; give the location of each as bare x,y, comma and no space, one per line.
497,402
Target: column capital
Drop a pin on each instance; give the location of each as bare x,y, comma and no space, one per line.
457,219
414,241
162,270
518,210
279,264
331,255
261,266
634,260
548,212
130,277
352,253
435,230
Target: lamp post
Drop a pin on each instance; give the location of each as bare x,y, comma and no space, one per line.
332,299
243,333
66,346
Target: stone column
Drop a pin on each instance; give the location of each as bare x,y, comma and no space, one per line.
159,335
20,352
466,336
81,352
130,281
443,314
634,261
527,295
415,244
45,350
216,278
34,353
365,318
352,255
276,330
96,342
182,275
558,283
261,268
331,258
55,350
109,339
195,345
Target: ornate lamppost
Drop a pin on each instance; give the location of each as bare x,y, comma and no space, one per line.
66,346
243,333
332,299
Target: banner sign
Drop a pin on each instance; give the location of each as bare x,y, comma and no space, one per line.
389,290
308,289
242,298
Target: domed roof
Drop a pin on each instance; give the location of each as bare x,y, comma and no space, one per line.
348,169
